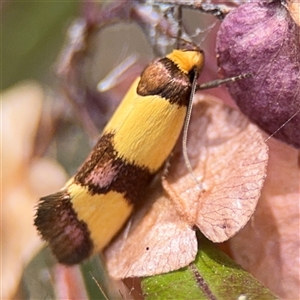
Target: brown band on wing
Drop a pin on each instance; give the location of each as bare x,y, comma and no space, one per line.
163,78
57,222
105,171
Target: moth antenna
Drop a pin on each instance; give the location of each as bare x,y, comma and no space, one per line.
185,133
218,82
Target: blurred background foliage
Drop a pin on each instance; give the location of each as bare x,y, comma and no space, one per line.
32,35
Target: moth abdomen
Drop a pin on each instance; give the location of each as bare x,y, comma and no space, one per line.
57,222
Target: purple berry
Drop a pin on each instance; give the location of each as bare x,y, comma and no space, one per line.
262,39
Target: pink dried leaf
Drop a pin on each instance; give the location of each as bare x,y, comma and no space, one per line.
274,228
229,159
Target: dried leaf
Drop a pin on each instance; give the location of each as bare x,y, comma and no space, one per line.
230,156
268,246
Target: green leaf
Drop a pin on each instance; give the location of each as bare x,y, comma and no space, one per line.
98,283
213,275
31,36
